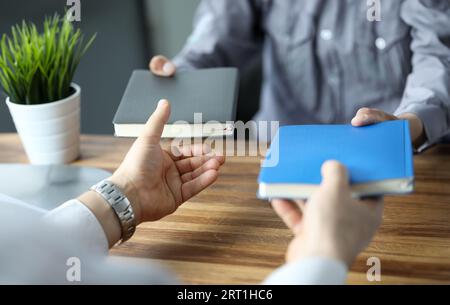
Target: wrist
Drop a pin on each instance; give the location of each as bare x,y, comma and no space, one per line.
322,250
104,214
129,190
417,129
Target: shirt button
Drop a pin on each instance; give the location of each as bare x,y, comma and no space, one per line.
380,43
326,34
333,79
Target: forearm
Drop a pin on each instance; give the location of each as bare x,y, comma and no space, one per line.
104,214
427,91
428,122
222,36
72,230
76,221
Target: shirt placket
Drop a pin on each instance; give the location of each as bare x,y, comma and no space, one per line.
332,72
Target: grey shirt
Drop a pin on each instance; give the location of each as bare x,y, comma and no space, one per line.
323,59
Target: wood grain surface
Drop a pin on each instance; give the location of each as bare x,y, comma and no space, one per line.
227,236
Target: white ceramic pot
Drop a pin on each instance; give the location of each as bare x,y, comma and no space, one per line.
50,132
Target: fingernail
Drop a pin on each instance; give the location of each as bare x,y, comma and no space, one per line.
168,68
161,102
361,118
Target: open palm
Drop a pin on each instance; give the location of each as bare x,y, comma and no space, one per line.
158,181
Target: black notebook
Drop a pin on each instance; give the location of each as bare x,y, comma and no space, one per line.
203,103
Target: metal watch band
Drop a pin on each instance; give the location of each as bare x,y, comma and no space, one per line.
121,206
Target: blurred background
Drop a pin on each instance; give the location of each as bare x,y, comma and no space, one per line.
129,33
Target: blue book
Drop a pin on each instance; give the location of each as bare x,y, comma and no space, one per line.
379,159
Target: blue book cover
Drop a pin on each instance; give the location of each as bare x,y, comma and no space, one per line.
379,159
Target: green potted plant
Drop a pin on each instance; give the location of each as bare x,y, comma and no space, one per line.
36,72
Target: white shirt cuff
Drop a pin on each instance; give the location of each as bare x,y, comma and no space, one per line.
310,271
76,219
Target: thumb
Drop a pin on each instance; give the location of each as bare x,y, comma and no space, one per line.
161,66
334,174
154,127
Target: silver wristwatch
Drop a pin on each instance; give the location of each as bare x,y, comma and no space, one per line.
121,206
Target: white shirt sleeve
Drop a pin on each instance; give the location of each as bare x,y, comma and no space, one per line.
76,219
310,271
37,245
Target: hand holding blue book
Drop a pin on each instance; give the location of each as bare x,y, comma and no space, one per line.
379,159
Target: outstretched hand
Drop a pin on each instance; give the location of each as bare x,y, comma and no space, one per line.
158,181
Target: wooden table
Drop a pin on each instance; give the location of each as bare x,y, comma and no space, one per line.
227,236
